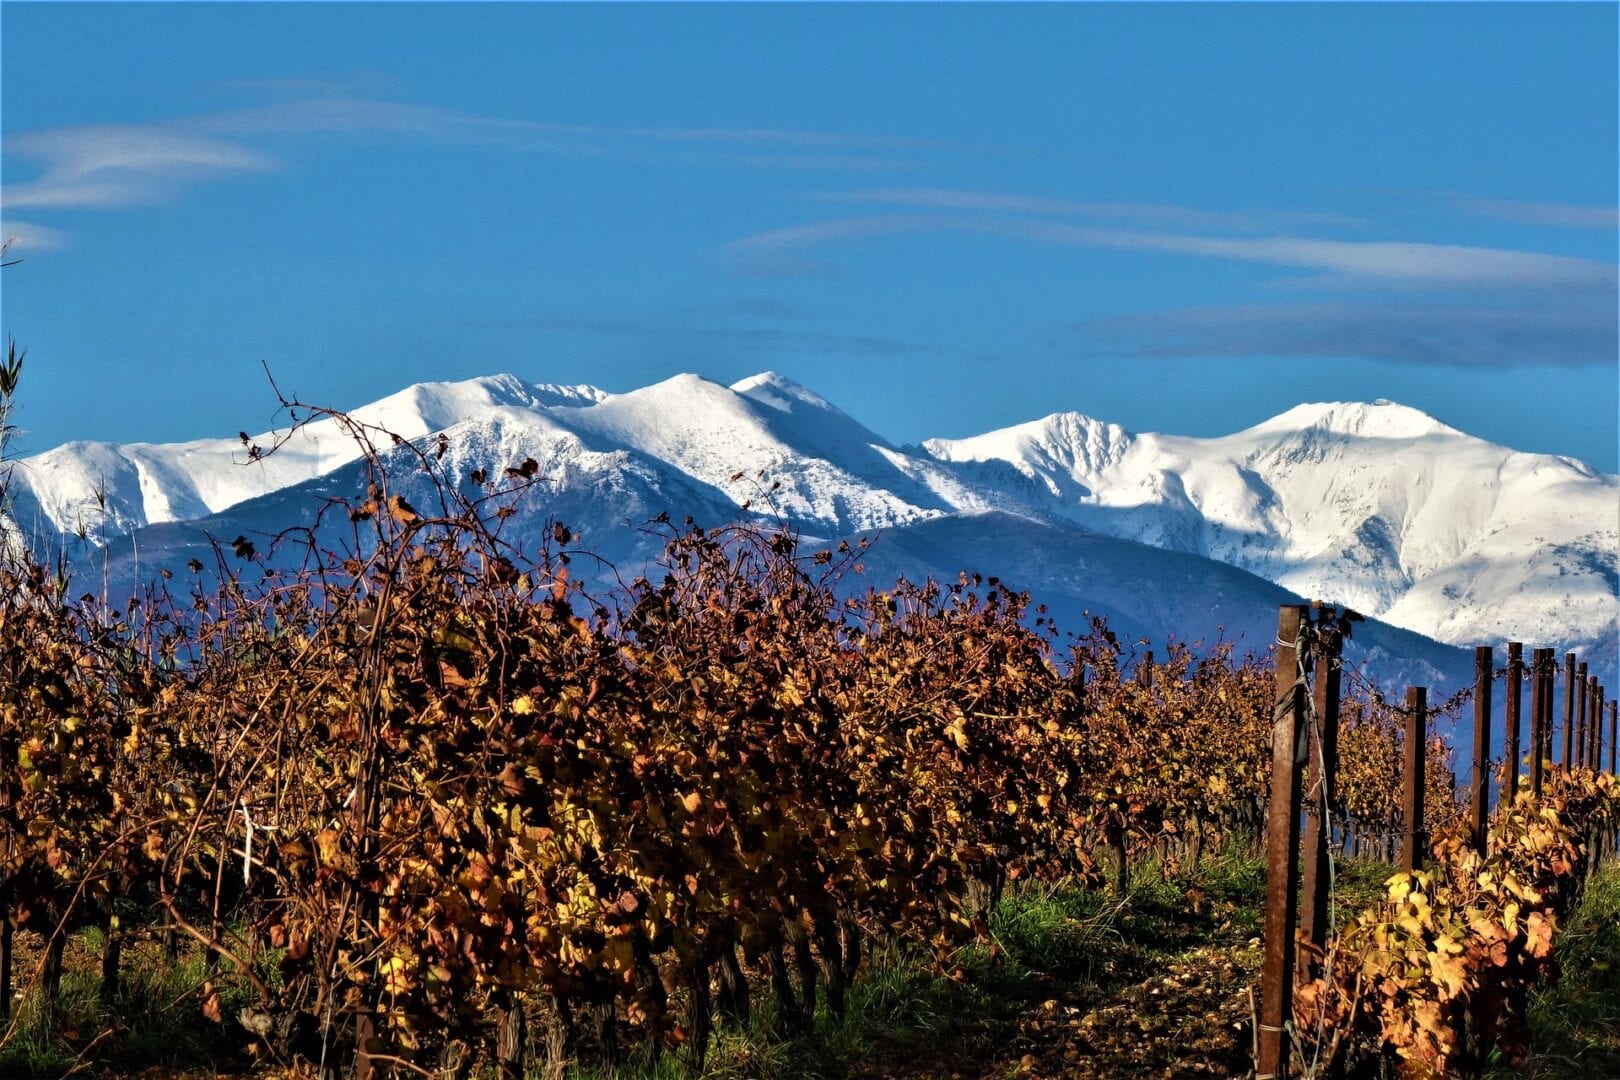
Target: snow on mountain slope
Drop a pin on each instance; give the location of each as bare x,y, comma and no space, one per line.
769,443
605,494
1378,506
104,490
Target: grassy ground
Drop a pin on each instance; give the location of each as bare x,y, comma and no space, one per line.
154,1027
1075,983
1575,1022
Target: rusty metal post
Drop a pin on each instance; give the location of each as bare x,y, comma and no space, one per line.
1538,716
1288,749
1479,801
1510,722
1569,709
1417,709
1320,794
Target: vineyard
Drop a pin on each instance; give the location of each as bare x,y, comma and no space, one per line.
425,805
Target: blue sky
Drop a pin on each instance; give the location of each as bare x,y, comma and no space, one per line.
944,218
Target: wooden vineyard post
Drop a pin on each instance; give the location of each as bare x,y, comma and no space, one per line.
1538,716
1479,802
1288,747
1510,721
1569,709
1614,735
1592,721
1417,707
1320,787
1549,709
1144,671
1595,723
1549,686
1582,701
1597,731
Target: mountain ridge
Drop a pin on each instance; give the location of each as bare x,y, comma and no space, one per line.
1376,505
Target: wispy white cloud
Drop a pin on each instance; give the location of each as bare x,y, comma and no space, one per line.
779,253
749,147
110,165
1458,335
26,236
819,233
115,165
1392,262
1399,264
1563,215
1159,214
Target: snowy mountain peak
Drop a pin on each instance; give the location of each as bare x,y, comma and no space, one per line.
780,392
1063,451
1376,505
1383,419
432,406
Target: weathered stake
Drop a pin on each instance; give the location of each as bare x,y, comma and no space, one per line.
1510,729
1288,748
1594,720
1538,716
1479,800
1320,788
1569,708
1614,734
1549,688
1417,708
1549,709
1583,700
1597,731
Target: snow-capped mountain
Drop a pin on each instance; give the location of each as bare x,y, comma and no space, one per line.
103,490
1377,506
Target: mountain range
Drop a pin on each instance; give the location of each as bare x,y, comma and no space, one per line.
1442,539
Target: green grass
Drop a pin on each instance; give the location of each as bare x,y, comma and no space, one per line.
1047,940
1057,930
155,1021
1575,1022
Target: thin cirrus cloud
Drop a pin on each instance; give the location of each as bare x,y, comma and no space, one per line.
26,236
1343,262
111,165
1444,304
1391,262
1158,214
108,166
1458,335
1561,215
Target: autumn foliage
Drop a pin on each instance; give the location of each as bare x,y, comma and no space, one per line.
425,776
1441,970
